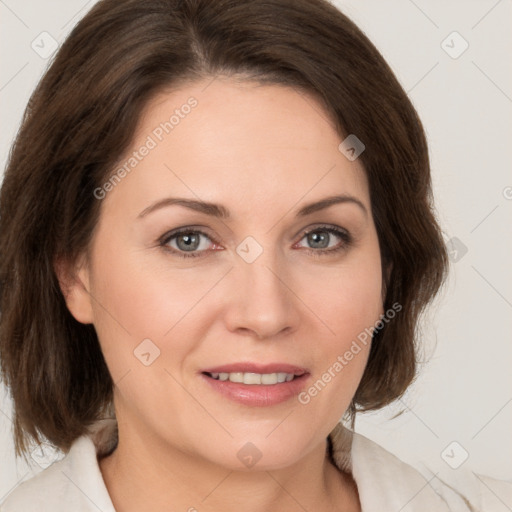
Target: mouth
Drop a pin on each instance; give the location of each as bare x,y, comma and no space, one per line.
251,379
255,384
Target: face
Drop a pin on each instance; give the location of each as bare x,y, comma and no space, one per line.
259,289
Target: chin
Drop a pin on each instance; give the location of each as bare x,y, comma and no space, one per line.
258,452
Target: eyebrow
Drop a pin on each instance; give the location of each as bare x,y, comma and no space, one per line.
221,212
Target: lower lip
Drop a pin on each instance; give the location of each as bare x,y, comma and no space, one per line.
258,395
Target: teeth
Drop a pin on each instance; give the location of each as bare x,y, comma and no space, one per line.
254,378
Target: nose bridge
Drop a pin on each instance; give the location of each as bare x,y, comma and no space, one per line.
263,279
263,302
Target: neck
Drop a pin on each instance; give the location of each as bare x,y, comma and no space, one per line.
150,476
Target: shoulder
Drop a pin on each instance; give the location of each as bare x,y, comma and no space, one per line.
387,483
477,492
74,481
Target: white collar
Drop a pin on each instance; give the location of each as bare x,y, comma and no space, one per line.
384,482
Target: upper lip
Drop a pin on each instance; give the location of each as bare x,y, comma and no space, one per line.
249,367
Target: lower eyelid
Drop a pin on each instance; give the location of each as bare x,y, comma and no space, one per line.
168,238
345,237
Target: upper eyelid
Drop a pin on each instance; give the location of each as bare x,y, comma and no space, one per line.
178,231
165,239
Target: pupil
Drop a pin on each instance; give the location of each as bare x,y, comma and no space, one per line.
315,238
190,241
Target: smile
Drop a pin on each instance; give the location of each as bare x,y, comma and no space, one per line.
267,379
257,385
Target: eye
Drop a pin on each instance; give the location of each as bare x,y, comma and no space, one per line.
189,243
186,242
321,240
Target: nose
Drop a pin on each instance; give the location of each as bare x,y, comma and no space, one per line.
261,300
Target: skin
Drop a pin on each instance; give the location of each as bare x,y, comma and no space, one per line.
263,152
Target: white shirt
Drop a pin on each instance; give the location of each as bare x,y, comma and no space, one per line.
385,483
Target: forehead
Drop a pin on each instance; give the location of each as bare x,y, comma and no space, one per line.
245,144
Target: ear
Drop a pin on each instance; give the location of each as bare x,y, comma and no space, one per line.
74,284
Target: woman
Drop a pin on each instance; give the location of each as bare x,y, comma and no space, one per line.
217,236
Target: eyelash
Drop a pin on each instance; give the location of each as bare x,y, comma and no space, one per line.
344,235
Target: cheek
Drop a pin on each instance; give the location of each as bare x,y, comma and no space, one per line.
145,295
346,298
348,304
134,301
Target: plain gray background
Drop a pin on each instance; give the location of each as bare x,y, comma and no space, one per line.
461,404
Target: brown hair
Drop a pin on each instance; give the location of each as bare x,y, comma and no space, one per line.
82,117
